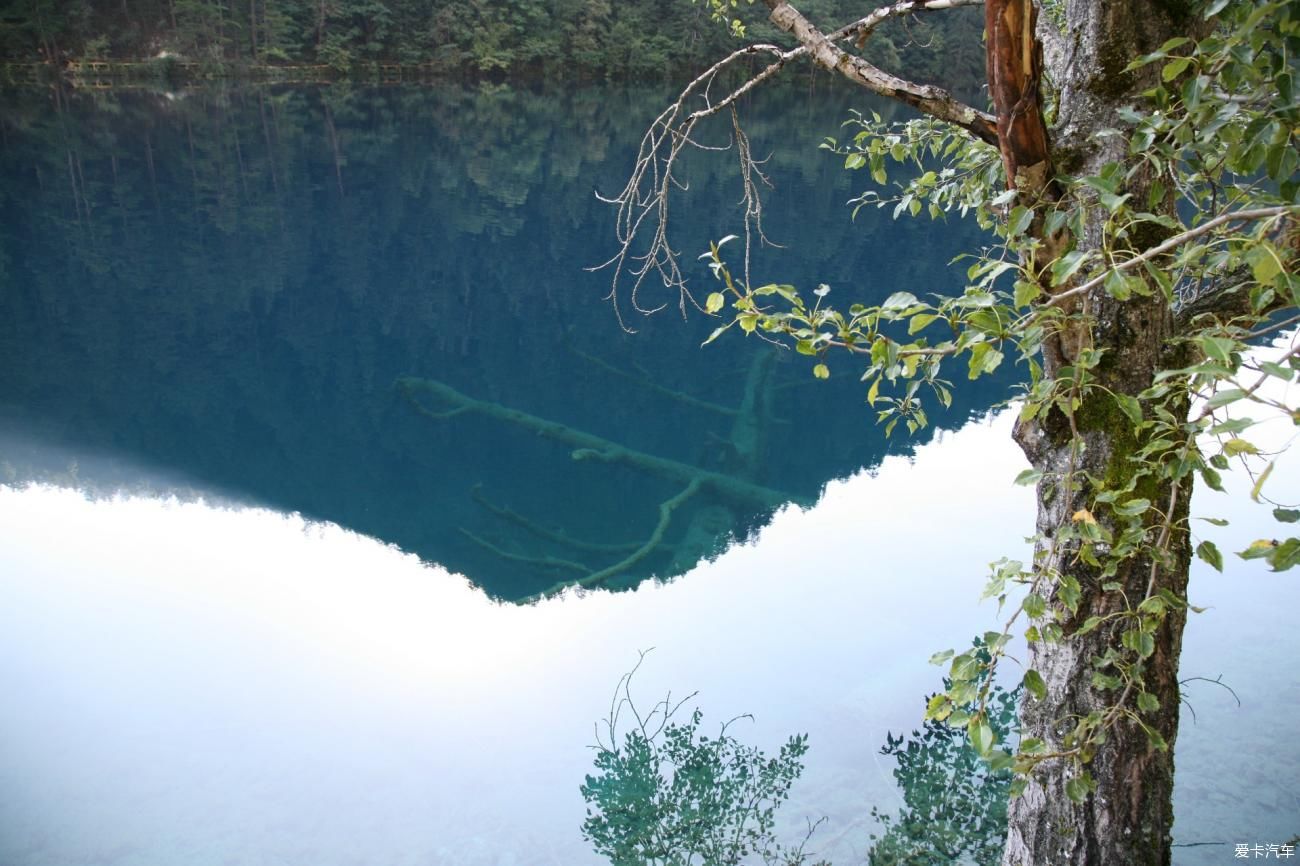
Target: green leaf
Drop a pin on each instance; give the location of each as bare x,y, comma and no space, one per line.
1130,407
1001,762
1259,549
1148,703
919,321
938,708
1035,605
1259,482
1230,427
899,301
1112,202
1089,625
1133,507
1122,286
1277,370
1233,447
1028,477
717,332
821,371
1218,348
1286,515
1209,553
1019,220
983,359
1139,641
714,302
1157,741
1076,790
965,667
1034,684
1224,397
1027,291
1286,555
1032,746
1067,266
1265,263
981,736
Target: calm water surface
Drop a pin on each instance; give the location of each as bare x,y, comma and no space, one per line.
250,584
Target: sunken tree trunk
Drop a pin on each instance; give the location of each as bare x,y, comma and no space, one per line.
1127,819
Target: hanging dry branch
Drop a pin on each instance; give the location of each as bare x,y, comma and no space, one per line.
641,221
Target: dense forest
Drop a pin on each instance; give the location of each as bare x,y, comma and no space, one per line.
655,39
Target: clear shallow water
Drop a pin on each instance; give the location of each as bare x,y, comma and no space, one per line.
207,299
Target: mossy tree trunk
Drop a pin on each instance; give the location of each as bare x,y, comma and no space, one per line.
1127,819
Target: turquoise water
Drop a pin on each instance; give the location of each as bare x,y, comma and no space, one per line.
250,597
226,287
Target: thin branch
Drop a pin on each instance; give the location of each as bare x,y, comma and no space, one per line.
646,382
666,509
543,532
1173,243
1217,681
861,29
542,561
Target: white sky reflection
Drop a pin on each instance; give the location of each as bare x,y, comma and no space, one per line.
197,685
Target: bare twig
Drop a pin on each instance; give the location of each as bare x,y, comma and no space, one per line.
641,220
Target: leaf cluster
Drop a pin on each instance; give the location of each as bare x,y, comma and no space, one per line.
665,794
955,802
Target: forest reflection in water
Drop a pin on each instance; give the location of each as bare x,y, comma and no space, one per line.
370,307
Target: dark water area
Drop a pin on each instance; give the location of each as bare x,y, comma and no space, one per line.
226,286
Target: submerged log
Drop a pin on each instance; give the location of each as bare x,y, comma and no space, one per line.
588,446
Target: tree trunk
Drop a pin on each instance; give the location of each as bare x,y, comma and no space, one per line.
252,28
1128,818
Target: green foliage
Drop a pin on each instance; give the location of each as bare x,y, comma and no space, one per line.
667,795
661,39
1199,213
955,802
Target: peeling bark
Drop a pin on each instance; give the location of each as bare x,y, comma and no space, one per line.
934,101
1015,67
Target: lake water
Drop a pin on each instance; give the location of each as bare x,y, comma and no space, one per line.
254,602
